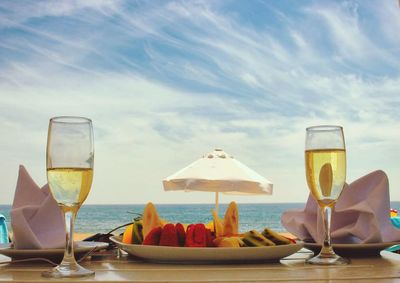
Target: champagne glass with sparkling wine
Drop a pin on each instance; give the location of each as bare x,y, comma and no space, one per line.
325,157
70,157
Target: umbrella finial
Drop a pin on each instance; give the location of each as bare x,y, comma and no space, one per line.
218,153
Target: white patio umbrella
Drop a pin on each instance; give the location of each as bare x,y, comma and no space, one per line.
218,172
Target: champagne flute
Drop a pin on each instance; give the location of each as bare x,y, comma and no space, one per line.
325,158
70,157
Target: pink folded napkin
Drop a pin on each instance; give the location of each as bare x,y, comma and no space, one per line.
36,219
361,215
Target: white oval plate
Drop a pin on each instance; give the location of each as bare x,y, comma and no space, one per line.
223,255
80,249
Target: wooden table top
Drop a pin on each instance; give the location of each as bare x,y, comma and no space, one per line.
109,268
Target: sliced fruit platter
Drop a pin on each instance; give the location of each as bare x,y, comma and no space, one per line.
153,238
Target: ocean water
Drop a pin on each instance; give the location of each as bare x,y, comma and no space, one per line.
103,218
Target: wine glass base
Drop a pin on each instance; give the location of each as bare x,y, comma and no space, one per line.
333,259
61,271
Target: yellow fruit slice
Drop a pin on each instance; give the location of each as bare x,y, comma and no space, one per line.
127,236
229,242
231,220
218,225
163,222
210,225
150,219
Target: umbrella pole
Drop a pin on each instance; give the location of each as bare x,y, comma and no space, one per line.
216,202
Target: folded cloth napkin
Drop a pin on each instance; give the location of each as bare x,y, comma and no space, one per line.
361,215
36,219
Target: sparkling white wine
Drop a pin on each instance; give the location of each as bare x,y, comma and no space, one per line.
326,174
70,186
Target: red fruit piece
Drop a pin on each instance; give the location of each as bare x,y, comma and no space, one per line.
200,236
153,238
180,230
209,238
189,236
196,236
169,236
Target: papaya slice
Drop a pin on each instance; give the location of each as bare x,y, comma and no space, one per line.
231,220
151,219
218,224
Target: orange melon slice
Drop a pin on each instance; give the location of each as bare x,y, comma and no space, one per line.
150,219
231,220
218,225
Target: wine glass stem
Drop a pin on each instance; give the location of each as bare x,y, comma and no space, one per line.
326,219
69,258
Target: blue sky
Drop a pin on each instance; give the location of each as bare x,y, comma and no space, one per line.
168,81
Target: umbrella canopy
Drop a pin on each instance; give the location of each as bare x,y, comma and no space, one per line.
218,172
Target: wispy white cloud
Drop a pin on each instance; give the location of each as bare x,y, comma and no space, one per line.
19,12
